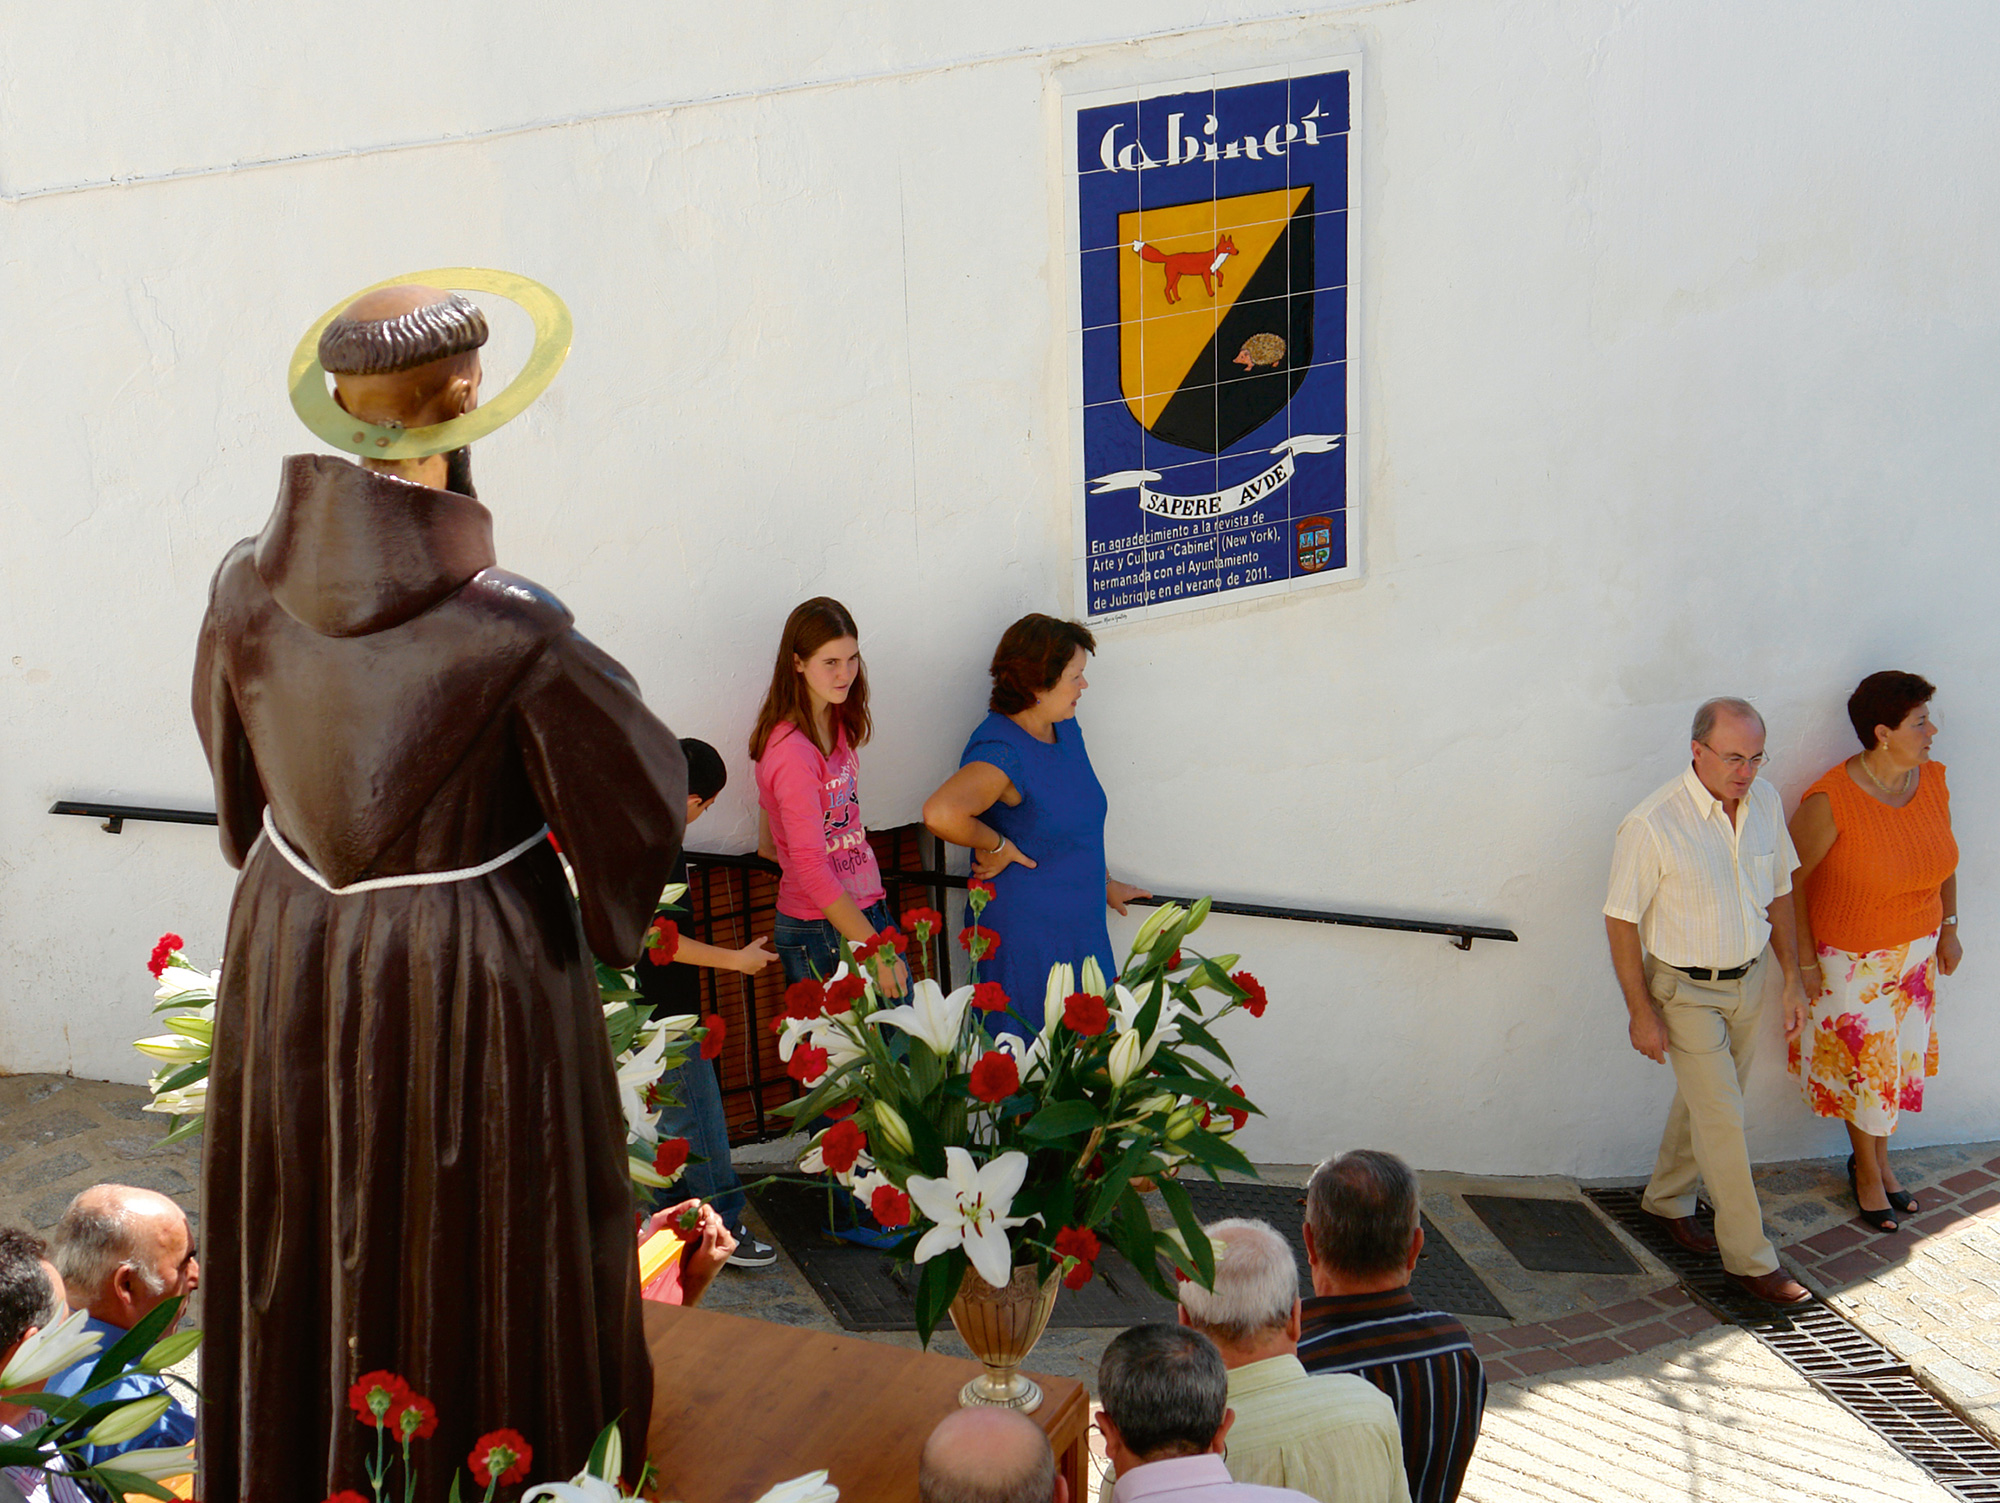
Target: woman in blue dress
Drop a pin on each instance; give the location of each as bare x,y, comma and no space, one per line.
1027,803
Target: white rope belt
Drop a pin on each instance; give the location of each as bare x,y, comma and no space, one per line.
412,879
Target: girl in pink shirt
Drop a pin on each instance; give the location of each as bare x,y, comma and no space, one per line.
814,717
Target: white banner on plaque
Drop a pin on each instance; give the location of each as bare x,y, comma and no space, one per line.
1219,503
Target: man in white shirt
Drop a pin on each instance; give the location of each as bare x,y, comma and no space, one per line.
1701,881
1335,1438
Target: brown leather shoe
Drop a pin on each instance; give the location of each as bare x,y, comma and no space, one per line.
1686,1231
1774,1288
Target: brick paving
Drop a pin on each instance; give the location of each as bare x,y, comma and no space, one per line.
1591,1336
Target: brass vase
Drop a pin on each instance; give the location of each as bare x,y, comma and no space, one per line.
1002,1326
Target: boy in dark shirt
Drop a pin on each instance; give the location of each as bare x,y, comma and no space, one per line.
674,988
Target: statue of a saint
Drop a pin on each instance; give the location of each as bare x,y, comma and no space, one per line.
415,1156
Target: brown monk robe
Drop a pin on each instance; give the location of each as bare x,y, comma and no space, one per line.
415,1155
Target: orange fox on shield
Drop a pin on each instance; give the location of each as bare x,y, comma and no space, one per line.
1205,264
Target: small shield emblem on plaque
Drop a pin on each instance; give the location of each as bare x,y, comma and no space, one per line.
1315,540
1215,314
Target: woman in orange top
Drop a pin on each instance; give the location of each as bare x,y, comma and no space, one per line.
1877,864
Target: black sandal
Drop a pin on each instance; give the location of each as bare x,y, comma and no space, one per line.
1903,1201
1883,1220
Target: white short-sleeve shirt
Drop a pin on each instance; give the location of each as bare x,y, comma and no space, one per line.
1696,884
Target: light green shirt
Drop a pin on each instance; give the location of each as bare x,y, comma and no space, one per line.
1333,1437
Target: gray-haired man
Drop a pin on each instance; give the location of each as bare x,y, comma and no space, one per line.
989,1456
1334,1438
1701,880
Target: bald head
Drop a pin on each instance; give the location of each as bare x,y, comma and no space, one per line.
405,356
984,1455
122,1250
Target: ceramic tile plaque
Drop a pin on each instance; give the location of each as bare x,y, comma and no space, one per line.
1213,338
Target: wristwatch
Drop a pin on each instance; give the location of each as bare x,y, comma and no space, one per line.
1951,919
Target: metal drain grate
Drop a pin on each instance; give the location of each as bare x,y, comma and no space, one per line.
1843,1362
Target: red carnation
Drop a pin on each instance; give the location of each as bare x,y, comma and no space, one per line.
163,952
842,1145
1175,963
375,1394
978,941
808,1062
663,941
980,890
865,951
347,1495
415,1418
988,997
1086,1014
711,1046
805,999
555,842
1081,1243
1256,1001
1237,1118
501,1457
846,1108
669,1156
841,995
995,1077
923,922
890,1207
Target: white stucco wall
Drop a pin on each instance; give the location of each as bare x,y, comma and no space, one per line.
1679,326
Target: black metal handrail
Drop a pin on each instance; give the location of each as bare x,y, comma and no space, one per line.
1461,935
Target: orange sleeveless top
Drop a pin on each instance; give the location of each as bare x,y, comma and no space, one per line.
1878,885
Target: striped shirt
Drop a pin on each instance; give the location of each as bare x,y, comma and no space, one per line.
1423,1360
28,1484
1696,883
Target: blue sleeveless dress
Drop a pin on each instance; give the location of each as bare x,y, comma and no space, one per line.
1054,911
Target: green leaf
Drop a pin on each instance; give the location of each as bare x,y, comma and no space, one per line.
456,1476
1213,1154
183,1129
1116,1181
186,1075
1133,1234
600,1453
1194,1033
1198,1245
937,1287
1196,1087
127,1482
1061,1119
135,1343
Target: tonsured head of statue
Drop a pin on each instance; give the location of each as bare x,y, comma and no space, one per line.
405,356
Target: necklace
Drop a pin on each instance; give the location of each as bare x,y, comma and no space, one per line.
1902,783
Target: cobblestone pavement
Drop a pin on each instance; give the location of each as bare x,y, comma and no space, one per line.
1603,1387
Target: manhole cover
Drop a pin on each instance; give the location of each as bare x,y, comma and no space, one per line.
1552,1236
1443,1280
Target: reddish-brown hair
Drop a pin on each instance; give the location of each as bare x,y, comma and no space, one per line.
1886,699
810,627
1030,659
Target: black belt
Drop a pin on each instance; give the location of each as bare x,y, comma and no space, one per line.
1703,973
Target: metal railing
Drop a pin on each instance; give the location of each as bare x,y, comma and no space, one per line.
1461,935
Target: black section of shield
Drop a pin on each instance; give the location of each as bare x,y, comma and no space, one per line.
1552,1236
1443,1280
1220,400
868,1291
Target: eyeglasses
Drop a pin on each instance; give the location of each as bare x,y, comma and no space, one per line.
1735,763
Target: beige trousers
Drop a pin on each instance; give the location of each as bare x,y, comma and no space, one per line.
1711,1038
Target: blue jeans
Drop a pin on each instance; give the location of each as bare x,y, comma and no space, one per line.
811,947
697,1116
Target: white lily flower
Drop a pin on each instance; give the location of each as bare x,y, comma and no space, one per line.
1125,1010
864,1184
671,895
173,1048
128,1421
812,1161
811,1488
1123,1061
183,983
156,1463
50,1350
970,1206
189,1101
892,1129
582,1488
678,1026
930,1015
192,1025
1093,976
1062,981
1163,917
635,1075
1031,1056
828,1034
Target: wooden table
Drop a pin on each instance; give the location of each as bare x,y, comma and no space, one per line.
741,1405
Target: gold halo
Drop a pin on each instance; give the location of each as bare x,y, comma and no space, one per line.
318,411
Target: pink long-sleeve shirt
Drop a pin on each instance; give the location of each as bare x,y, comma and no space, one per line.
813,803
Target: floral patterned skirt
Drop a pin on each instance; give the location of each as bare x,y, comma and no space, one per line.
1868,1043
